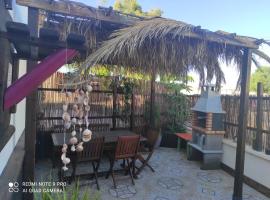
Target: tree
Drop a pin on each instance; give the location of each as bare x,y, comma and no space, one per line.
133,7
262,75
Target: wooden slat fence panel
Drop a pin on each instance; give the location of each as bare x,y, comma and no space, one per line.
231,106
51,98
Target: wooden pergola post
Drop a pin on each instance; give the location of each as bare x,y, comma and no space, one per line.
115,85
257,142
152,100
132,113
242,121
30,118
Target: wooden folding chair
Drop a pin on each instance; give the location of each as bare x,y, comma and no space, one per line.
126,149
92,152
146,149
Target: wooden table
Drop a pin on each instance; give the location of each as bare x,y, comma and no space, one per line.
110,136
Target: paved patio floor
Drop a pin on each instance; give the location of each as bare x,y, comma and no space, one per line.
175,178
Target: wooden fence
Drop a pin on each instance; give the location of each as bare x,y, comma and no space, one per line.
108,107
231,107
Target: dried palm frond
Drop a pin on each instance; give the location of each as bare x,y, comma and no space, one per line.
169,46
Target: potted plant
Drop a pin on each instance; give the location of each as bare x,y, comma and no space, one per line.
65,193
153,131
175,115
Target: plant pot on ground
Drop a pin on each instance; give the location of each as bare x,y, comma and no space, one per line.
153,128
169,139
267,151
154,136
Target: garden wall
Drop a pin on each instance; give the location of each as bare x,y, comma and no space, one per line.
257,165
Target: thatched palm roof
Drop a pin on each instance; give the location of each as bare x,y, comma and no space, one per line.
169,46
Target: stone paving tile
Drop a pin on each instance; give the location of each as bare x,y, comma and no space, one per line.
175,178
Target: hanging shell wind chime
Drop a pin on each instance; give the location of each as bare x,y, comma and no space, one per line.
79,113
87,133
67,124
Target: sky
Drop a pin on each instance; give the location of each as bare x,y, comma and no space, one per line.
243,17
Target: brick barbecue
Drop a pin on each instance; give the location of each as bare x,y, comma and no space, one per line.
207,129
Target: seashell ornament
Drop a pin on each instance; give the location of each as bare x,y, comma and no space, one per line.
76,100
81,114
67,125
73,148
66,117
73,133
64,150
80,99
85,101
77,91
66,161
68,94
63,156
73,121
87,108
64,168
87,135
75,107
89,88
65,107
81,92
79,147
73,140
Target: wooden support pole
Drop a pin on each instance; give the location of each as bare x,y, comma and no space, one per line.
30,118
257,141
114,102
132,113
242,120
15,74
152,101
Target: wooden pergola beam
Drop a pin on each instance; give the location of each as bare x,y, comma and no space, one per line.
78,9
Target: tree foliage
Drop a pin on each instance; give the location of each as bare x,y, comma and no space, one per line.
107,70
133,7
262,75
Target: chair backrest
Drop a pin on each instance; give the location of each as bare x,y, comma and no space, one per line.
127,146
92,150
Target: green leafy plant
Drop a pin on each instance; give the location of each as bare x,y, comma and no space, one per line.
262,75
127,86
177,109
68,193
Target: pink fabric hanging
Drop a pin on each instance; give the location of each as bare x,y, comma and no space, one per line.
30,81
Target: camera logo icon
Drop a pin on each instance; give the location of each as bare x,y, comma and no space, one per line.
13,187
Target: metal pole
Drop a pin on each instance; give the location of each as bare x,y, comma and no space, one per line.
242,120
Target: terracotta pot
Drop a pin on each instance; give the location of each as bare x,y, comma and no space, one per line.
154,137
267,151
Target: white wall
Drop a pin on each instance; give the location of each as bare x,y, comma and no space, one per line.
18,14
257,164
